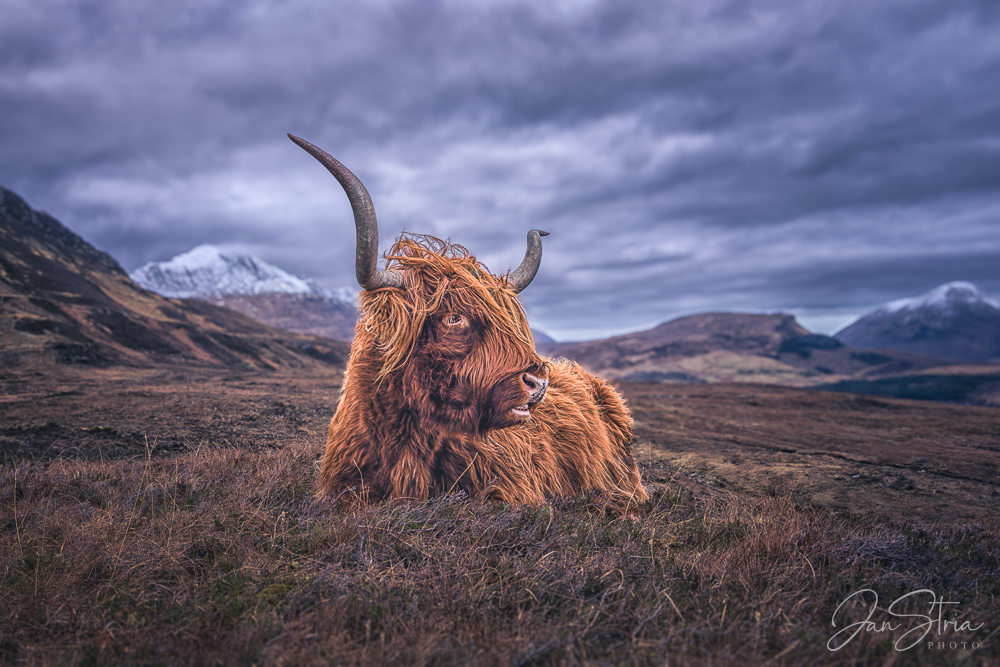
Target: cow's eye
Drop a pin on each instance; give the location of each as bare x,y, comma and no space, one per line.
455,320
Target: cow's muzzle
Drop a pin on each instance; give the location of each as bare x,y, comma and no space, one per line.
536,387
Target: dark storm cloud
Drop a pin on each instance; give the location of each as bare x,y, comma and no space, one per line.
816,157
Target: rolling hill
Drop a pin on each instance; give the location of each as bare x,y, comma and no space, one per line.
727,347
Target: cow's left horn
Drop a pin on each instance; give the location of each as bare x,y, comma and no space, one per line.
524,274
365,223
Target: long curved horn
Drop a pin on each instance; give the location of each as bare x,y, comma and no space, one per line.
366,259
524,274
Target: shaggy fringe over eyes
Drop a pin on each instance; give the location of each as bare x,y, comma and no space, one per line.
432,268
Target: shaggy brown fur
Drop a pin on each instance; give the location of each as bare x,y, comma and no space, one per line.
433,392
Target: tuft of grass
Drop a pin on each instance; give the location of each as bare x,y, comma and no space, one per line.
224,556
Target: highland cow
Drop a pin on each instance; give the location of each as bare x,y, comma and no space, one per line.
444,390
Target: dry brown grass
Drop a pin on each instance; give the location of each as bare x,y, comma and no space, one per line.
224,557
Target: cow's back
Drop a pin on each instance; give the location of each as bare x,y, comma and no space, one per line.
579,440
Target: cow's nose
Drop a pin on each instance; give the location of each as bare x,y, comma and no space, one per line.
536,387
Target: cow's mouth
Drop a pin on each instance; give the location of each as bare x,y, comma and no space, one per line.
521,411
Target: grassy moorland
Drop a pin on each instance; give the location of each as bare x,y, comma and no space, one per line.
220,554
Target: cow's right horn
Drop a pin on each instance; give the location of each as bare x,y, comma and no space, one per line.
524,274
366,259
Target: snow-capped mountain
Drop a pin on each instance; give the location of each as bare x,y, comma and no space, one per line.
948,298
255,288
956,320
207,273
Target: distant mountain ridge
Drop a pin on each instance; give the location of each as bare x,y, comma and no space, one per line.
251,286
956,320
64,302
722,347
775,349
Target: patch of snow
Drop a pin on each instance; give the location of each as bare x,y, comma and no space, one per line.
341,295
207,272
942,297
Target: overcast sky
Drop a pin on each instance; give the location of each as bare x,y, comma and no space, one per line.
817,158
